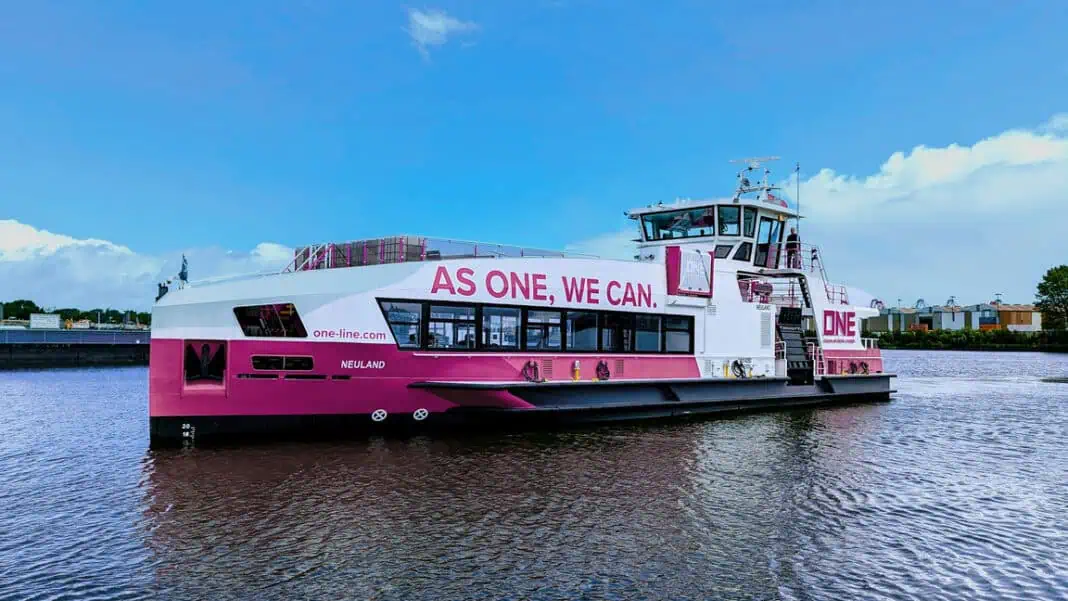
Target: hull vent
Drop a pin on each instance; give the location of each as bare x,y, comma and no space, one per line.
765,330
547,369
710,309
619,367
708,367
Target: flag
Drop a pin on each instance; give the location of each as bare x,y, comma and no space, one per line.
183,275
774,198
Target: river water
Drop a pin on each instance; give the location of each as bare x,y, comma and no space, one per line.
957,489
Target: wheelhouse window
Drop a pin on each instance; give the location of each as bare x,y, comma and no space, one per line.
617,333
690,223
647,333
543,330
404,320
750,222
730,221
581,330
451,327
745,250
273,321
678,334
500,328
723,251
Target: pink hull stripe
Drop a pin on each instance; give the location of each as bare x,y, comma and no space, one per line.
839,361
378,378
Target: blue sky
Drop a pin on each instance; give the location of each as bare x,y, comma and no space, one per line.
195,125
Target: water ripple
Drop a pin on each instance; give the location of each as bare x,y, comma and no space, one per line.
955,490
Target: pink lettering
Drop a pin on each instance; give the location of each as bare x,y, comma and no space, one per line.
539,287
645,295
608,292
496,273
840,323
521,285
442,281
628,295
573,289
592,292
467,285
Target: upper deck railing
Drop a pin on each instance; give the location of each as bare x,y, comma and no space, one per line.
799,257
402,249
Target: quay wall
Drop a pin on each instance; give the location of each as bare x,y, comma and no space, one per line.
25,349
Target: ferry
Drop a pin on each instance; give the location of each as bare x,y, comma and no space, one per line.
719,310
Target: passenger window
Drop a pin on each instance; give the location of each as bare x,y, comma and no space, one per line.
730,221
581,331
617,335
299,363
274,321
543,330
404,320
500,328
677,334
451,327
647,334
723,251
267,362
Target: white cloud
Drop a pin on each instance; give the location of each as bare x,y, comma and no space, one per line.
967,221
1057,123
62,271
434,28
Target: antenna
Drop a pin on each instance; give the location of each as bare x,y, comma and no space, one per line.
754,162
744,185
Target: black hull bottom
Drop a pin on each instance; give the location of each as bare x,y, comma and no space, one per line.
224,430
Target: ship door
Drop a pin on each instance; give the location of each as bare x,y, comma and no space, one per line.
205,362
769,235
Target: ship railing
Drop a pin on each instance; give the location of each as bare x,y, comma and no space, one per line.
401,249
815,354
807,258
226,278
775,291
870,343
780,349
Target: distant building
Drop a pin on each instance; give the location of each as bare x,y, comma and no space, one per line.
891,319
1019,318
982,316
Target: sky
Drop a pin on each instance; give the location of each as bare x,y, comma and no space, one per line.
932,137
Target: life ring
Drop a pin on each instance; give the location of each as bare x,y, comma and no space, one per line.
853,367
738,369
602,371
864,367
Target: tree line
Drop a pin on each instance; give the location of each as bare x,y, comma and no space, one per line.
22,308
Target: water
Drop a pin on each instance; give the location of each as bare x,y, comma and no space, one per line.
958,489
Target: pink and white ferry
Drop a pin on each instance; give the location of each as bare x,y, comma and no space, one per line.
716,312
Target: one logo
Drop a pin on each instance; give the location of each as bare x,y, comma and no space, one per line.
842,324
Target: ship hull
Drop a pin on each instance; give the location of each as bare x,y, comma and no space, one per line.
458,406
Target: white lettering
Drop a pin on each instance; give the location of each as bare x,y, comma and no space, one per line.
353,364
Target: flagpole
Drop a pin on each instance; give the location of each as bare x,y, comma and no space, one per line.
797,197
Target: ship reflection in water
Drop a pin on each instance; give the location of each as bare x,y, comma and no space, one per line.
956,489
685,511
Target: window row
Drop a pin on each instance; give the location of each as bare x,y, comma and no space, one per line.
696,223
277,363
448,326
